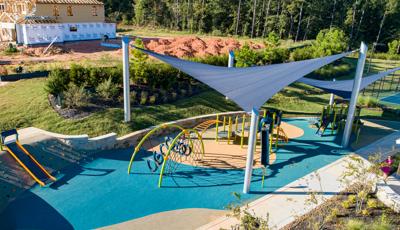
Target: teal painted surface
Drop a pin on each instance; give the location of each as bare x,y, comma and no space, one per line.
394,99
101,193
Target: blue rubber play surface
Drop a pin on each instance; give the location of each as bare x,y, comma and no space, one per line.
101,193
394,99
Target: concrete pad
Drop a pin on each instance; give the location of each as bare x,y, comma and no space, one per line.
177,219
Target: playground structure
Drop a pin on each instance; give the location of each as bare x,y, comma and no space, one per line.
333,118
26,160
163,155
236,129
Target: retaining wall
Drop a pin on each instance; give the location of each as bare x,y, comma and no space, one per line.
80,142
388,195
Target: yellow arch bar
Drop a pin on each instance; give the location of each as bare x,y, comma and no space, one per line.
184,132
149,134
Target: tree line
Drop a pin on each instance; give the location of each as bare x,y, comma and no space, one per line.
373,21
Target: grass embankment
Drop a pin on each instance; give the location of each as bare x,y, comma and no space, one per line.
24,104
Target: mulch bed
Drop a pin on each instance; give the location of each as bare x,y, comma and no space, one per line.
323,218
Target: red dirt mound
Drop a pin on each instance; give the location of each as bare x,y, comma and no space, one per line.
193,46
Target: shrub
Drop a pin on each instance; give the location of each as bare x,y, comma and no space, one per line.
365,212
11,49
133,96
369,102
329,42
57,82
346,204
246,57
143,97
3,71
152,99
382,224
183,92
302,53
372,204
78,74
190,90
174,95
75,97
220,60
354,224
275,55
107,89
394,47
216,33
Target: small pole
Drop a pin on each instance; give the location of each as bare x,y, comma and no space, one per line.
236,123
250,151
224,124
397,86
229,129
216,128
271,127
125,62
242,136
354,95
391,82
332,98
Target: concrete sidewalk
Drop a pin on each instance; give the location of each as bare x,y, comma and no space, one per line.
285,204
291,201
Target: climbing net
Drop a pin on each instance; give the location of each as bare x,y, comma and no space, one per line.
186,148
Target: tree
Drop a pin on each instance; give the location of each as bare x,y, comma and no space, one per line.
329,42
139,60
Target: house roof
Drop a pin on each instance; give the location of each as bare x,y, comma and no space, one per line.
74,2
9,17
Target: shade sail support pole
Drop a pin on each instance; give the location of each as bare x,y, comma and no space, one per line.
250,150
354,95
231,61
332,98
125,63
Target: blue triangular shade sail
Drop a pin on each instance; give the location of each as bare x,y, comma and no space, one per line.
249,87
345,87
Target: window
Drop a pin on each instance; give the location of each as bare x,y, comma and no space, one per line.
2,7
94,11
73,28
56,11
69,11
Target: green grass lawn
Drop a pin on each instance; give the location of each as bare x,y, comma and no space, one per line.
24,104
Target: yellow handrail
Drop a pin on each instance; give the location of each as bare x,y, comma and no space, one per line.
24,166
35,161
